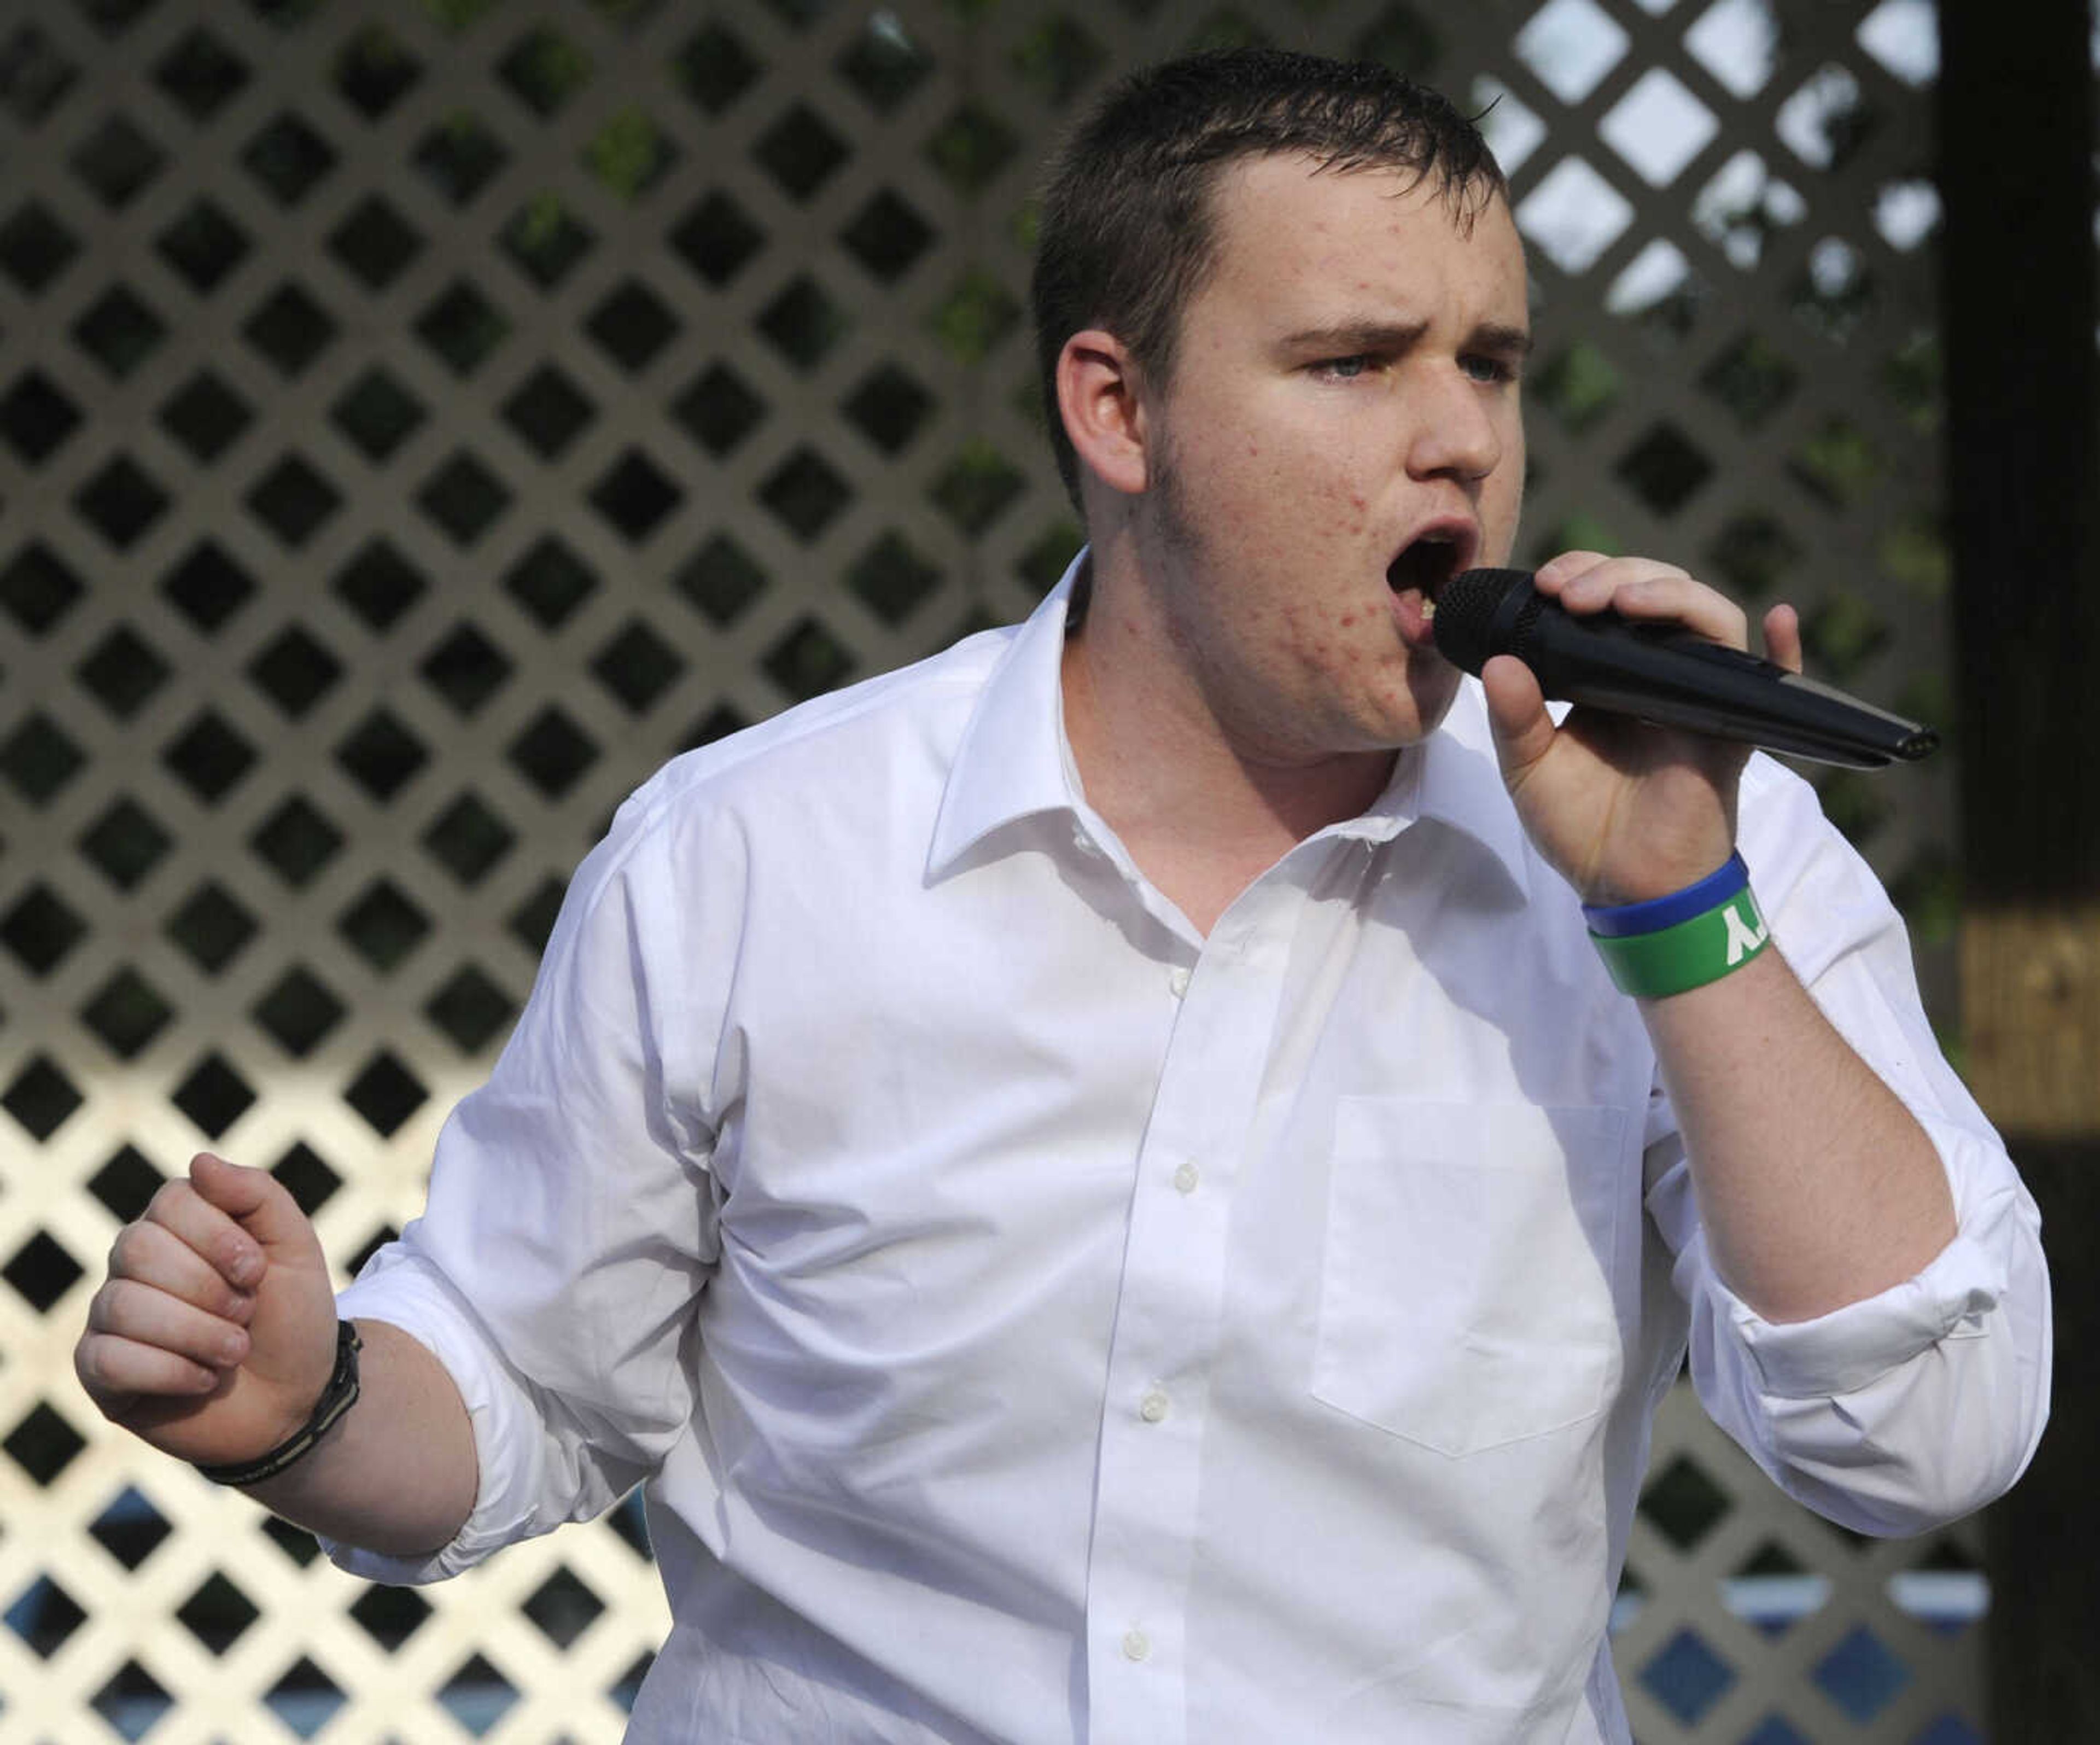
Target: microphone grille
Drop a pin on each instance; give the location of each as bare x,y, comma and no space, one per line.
1466,607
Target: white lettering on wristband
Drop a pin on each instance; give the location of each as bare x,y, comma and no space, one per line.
1742,939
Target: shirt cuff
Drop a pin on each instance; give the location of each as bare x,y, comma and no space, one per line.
1850,1348
397,1289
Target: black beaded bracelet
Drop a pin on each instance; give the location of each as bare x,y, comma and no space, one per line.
336,1398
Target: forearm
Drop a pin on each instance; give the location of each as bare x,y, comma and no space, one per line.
1815,1186
398,1473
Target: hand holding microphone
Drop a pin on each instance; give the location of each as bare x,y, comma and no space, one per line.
1665,674
1626,812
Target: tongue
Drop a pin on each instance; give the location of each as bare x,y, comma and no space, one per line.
1413,612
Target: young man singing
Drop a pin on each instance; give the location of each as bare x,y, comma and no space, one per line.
1101,1181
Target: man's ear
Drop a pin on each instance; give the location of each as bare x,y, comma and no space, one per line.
1098,398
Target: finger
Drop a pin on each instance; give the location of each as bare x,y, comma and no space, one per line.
1551,577
1782,628
146,1316
193,1220
1516,711
117,1372
1592,588
261,1204
1671,596
153,1255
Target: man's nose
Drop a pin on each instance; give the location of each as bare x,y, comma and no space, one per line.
1455,433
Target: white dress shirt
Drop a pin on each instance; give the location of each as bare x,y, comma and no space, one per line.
1034,1321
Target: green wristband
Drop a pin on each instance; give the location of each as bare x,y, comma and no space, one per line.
1653,966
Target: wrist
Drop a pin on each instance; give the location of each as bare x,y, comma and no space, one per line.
1620,915
337,1395
1684,939
1661,869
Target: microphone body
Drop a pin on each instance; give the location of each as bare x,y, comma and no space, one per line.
1665,674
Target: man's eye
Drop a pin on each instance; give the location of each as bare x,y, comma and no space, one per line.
1345,369
1487,369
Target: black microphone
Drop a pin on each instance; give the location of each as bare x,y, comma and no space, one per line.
1665,674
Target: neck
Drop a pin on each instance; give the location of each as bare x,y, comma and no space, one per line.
1202,811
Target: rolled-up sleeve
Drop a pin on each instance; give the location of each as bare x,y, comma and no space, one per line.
1911,1407
571,1225
401,1287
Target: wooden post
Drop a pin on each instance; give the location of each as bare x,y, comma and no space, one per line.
2014,126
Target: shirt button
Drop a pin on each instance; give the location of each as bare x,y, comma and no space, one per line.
1137,1645
1184,1178
1178,982
1085,844
1152,1407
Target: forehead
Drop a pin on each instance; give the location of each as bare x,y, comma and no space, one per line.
1286,225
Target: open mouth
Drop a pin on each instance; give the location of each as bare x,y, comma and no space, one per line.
1429,560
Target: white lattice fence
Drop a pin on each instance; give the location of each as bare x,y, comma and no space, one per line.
417,420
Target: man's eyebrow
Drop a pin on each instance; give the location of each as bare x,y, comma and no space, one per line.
1347,336
1344,337
1511,341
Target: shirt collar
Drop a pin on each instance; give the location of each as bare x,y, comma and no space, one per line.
1012,762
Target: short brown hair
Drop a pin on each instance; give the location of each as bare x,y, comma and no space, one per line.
1128,232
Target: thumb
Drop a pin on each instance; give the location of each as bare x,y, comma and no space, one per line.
1516,711
256,1201
1782,628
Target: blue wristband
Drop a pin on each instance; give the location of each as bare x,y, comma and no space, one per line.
1624,920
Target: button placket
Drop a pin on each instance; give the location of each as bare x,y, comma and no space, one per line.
1168,1322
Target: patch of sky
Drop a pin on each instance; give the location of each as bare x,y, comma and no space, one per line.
1807,119
1903,35
1657,272
1571,45
1658,127
1736,41
1905,213
1573,215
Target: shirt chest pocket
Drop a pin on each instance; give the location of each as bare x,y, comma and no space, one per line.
1466,1294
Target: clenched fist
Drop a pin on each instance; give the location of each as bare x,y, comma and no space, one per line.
215,1332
